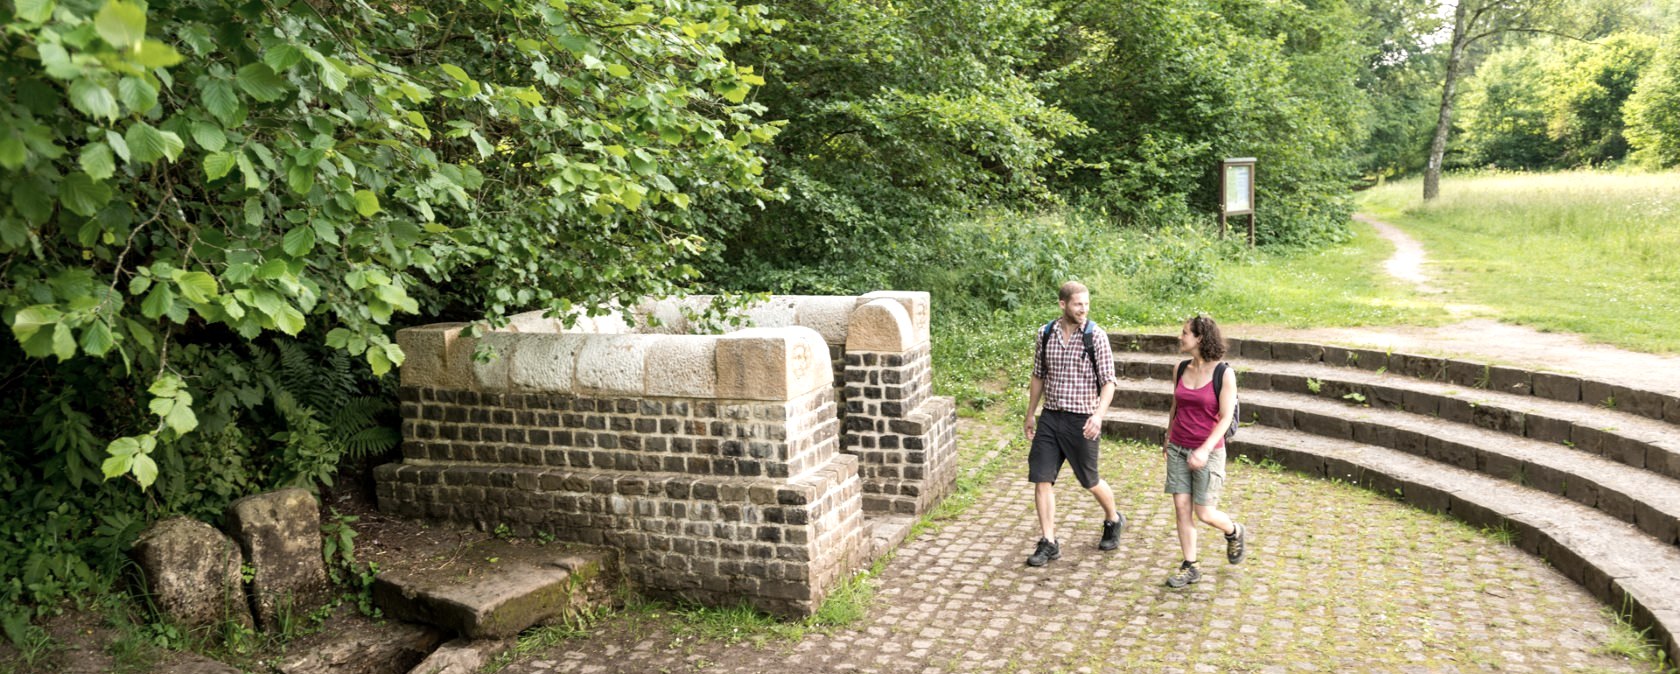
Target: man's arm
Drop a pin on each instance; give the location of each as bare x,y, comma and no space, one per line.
1034,391
1093,425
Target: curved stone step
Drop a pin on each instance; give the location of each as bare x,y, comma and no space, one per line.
1658,405
1626,438
1649,502
1627,570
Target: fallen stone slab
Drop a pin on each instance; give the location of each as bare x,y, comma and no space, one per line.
193,663
886,532
192,573
462,656
385,648
280,533
496,589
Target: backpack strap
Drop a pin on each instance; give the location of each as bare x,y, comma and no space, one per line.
1043,342
1218,379
1179,376
1089,335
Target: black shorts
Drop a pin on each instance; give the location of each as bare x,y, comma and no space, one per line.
1058,436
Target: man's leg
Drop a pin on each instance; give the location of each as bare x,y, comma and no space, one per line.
1105,498
1044,496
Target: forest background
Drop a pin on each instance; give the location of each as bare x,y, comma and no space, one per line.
214,214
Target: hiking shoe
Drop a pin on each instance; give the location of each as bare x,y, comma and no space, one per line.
1111,533
1236,545
1046,551
1187,573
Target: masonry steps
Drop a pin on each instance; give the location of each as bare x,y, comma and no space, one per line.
1631,439
507,588
1610,558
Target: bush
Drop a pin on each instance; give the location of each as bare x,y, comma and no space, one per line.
1653,111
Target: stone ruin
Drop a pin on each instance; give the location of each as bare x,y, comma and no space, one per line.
727,467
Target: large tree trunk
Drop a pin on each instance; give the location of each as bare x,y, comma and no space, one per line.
1443,123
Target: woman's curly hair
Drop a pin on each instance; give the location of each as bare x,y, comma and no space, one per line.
1211,344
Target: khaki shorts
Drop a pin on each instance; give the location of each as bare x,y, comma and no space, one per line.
1203,485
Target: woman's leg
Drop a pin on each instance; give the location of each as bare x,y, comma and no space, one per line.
1186,521
1216,518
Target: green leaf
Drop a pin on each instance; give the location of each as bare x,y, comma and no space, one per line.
157,302
31,319
82,195
282,57
196,286
35,11
332,77
93,99
456,72
181,418
64,342
155,54
97,339
252,179
97,161
618,70
136,94
118,145
300,178
145,469
165,386
217,165
260,82
367,203
12,152
268,302
289,320
376,359
209,136
337,338
148,144
120,23
219,98
395,354
299,241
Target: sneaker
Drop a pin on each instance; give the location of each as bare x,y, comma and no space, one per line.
1187,573
1046,551
1236,545
1111,533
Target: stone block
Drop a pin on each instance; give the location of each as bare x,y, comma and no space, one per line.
280,534
463,656
829,316
546,362
772,363
1510,380
1455,410
881,326
383,648
1597,393
1256,350
425,355
918,305
489,375
192,573
528,585
1367,359
1327,426
1465,373
532,322
1340,357
613,364
1296,352
1557,387
1671,411
1547,429
1642,403
683,366
778,311
661,317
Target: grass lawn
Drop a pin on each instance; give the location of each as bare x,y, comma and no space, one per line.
1589,252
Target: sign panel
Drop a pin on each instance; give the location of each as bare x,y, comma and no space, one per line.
1236,182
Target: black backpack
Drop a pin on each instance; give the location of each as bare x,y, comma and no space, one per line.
1218,383
1086,334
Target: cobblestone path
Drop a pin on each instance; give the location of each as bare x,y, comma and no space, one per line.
1337,580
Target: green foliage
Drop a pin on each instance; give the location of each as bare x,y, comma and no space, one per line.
1170,88
1653,111
1551,103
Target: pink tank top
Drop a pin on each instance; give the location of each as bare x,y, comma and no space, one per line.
1198,412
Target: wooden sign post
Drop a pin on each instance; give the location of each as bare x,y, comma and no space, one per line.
1236,193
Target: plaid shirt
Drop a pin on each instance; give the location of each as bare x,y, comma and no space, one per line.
1069,386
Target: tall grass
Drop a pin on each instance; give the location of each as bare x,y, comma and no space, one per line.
1590,252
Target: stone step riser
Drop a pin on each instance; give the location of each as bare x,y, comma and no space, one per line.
1635,452
1473,375
1663,526
1531,533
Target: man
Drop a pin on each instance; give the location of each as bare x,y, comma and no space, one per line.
1073,371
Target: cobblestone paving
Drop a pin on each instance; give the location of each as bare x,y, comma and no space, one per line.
1337,580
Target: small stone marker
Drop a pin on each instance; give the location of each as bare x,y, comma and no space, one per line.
192,573
280,533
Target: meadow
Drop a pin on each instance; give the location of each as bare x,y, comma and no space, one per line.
1595,253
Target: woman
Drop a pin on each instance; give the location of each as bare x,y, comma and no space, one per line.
1195,448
